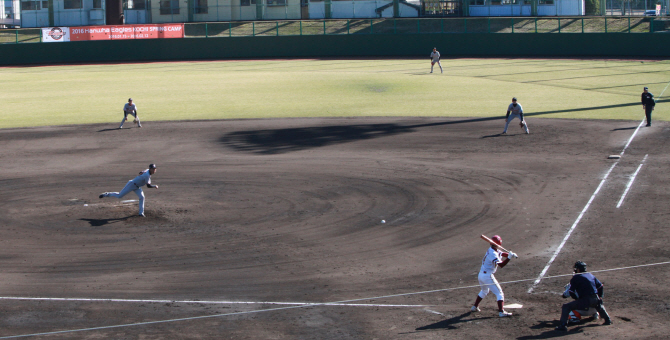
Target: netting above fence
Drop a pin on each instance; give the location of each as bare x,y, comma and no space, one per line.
422,26
398,26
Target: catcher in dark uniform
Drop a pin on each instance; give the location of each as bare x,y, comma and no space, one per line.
587,292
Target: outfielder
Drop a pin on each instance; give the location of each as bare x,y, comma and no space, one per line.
587,292
136,185
130,108
435,58
492,260
516,112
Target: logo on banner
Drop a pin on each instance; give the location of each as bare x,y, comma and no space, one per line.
56,33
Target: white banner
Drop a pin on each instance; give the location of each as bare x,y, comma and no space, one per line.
55,34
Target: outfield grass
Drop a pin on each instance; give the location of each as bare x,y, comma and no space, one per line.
594,89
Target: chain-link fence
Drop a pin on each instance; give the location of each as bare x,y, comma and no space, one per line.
398,26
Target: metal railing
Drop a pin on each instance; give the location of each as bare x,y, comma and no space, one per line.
398,26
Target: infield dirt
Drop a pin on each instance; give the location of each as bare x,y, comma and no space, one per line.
290,210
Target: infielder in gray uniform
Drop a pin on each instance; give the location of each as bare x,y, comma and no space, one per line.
515,110
435,58
130,108
136,185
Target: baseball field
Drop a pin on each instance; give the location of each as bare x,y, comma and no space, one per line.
331,199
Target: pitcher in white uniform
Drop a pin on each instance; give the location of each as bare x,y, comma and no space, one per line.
492,260
136,185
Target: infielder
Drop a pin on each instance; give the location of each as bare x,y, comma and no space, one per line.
516,112
435,58
587,291
136,185
130,108
648,104
492,260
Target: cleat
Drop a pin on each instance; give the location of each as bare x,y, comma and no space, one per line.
504,314
504,133
102,195
527,132
561,328
142,215
607,322
596,316
475,309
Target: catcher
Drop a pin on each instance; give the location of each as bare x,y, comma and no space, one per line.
515,110
587,292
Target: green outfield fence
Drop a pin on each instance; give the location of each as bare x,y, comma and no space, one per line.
398,26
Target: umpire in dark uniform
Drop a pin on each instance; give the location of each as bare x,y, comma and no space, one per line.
587,292
648,104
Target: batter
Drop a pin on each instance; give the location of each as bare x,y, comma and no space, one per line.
492,260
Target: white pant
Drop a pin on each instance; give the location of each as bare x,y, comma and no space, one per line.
128,188
489,283
511,117
432,63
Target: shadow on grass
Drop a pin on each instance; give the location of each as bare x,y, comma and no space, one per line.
279,141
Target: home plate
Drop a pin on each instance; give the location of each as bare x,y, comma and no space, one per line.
513,306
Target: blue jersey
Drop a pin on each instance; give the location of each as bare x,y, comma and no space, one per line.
585,285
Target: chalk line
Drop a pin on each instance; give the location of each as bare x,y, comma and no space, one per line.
309,304
623,196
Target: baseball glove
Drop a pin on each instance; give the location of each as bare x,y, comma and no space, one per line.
135,120
521,125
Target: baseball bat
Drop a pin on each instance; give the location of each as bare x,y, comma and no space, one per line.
493,243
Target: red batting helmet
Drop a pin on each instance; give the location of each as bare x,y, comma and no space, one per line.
497,240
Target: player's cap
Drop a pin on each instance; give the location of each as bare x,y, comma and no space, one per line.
580,265
152,166
646,88
130,99
514,99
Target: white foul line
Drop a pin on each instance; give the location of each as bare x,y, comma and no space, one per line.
574,225
310,304
203,302
631,137
623,196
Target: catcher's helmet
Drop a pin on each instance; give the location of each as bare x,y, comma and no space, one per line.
152,166
580,266
497,240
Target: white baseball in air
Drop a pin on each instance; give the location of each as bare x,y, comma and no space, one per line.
383,221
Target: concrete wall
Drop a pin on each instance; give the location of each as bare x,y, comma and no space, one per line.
358,45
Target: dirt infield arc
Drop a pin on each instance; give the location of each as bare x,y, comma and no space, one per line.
290,210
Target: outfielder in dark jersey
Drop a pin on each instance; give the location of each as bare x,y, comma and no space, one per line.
648,104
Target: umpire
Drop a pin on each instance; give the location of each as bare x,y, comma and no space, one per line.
648,104
587,292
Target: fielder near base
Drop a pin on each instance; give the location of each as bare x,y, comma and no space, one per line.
130,109
515,110
492,260
136,185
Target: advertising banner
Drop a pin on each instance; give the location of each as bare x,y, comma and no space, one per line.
150,31
90,33
55,34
